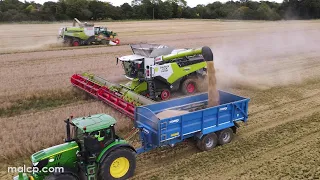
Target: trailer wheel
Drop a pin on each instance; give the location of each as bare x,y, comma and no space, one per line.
189,86
225,136
207,142
61,177
119,164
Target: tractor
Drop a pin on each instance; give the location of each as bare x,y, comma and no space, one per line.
87,34
91,149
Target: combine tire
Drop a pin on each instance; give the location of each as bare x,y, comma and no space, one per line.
225,136
119,164
165,95
61,177
207,142
75,42
189,87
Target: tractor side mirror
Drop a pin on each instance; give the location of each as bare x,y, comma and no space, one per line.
117,61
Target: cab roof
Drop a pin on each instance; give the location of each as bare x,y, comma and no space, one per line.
94,122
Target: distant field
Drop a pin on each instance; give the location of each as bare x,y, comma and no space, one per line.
276,64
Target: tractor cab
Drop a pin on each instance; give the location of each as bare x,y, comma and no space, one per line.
92,133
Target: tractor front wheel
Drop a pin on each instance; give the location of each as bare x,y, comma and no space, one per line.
119,164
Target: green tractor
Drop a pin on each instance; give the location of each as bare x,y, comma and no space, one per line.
87,34
92,150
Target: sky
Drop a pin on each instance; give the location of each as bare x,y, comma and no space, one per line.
191,3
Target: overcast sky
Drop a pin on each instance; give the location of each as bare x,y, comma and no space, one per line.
191,3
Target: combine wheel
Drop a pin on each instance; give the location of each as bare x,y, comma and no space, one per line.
165,95
189,86
75,42
61,177
207,142
225,136
119,164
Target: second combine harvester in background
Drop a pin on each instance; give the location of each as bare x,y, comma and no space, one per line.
154,71
87,34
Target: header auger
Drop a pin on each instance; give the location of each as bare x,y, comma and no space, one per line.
154,71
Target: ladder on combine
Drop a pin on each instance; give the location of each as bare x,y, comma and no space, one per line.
152,89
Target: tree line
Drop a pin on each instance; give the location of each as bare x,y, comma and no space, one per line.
15,10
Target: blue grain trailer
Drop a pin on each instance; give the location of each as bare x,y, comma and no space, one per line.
95,150
207,126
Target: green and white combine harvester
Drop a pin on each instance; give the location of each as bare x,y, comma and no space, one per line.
87,34
154,72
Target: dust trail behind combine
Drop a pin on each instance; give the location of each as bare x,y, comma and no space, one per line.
266,60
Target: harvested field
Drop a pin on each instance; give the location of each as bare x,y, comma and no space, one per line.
275,64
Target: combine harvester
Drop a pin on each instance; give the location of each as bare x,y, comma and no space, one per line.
94,148
154,71
87,34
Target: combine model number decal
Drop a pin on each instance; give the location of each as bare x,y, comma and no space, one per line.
164,68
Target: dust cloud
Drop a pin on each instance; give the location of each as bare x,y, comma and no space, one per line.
49,43
265,59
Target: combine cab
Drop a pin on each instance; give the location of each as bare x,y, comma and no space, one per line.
154,71
87,34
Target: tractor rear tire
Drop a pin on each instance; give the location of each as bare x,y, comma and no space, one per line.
207,142
225,136
120,164
189,86
61,177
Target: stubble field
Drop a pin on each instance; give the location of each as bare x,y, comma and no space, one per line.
275,64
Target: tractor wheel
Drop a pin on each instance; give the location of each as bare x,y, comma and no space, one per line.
75,42
189,86
207,142
165,95
119,164
225,136
61,177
